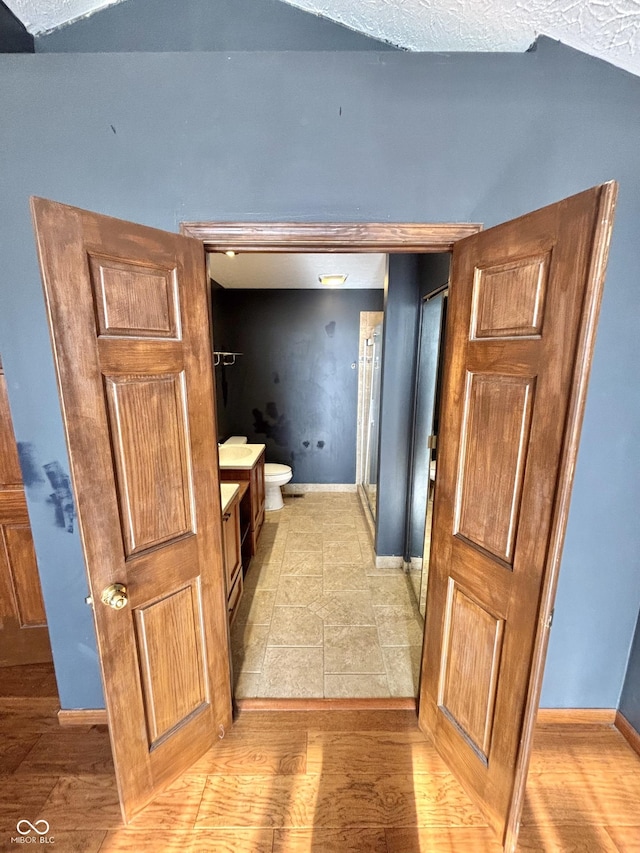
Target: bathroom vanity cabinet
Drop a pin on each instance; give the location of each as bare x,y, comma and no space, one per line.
253,476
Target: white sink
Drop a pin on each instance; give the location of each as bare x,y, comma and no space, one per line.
239,455
234,452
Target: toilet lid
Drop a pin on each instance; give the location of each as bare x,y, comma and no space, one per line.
273,468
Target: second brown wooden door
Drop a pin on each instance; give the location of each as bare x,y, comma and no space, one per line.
523,303
24,637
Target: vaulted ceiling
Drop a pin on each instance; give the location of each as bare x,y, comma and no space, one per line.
609,29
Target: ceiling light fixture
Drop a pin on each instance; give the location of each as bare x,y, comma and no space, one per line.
333,279
230,254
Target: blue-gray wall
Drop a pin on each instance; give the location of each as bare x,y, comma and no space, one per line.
293,388
161,138
138,25
14,37
630,699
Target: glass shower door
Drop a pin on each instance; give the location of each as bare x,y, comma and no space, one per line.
430,352
373,371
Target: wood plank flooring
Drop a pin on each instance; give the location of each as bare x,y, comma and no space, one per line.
309,782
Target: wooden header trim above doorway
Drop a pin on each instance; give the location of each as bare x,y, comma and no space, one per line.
329,236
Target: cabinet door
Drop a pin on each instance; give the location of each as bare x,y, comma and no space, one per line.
231,527
257,495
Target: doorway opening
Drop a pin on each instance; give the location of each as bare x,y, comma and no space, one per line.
304,621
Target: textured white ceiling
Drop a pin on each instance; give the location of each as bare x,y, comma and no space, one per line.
299,272
609,29
38,16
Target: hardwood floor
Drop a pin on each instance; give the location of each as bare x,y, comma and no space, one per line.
302,782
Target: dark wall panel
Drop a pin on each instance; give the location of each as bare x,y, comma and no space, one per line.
14,37
630,699
158,25
294,387
410,278
433,272
399,348
161,138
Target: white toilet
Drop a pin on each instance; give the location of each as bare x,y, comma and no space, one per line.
275,476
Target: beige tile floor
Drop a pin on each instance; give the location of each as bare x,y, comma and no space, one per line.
317,618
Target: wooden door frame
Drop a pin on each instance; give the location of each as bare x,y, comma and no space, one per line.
392,237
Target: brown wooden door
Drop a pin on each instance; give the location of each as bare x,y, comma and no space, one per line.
523,305
129,322
24,637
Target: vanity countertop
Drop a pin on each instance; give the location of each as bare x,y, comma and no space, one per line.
228,491
239,455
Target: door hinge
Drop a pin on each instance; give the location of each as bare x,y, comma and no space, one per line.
432,441
549,621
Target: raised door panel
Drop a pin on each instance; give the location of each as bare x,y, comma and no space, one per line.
150,442
173,675
24,638
129,319
469,671
10,473
495,437
23,574
150,309
508,298
523,302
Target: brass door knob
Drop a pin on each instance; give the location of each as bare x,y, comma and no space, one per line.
115,596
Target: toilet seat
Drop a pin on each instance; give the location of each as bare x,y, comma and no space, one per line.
274,469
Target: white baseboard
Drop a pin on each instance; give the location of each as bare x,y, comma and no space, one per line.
299,488
389,563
